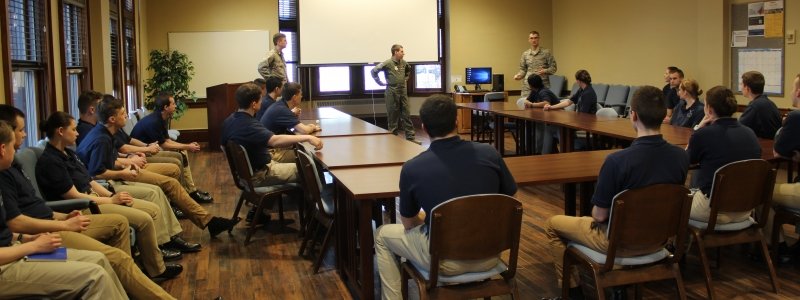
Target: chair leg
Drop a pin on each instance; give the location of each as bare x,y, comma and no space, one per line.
313,238
254,223
704,260
280,211
237,210
777,223
324,246
770,266
566,273
599,288
637,291
309,235
676,271
403,282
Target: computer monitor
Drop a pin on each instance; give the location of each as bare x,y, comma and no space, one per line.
478,76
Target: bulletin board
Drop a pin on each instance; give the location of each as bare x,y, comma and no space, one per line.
764,49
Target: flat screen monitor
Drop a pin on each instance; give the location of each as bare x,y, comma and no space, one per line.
478,76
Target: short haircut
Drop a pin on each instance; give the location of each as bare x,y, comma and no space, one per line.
272,83
6,133
162,99
290,89
692,87
438,114
722,101
246,94
277,37
672,69
755,81
534,32
535,81
583,76
677,71
260,82
108,107
9,114
55,121
395,48
648,103
88,99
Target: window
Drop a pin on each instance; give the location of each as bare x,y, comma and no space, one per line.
369,83
116,76
287,22
290,55
75,47
130,70
334,79
25,98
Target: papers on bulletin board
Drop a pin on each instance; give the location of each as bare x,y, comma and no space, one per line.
767,61
755,18
773,19
739,38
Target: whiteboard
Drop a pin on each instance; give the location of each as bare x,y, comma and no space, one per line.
363,31
768,62
221,57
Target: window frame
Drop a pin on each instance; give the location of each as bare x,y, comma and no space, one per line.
85,69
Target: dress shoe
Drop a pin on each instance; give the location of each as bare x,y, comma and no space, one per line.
252,213
170,254
204,193
178,212
178,243
199,198
171,271
218,225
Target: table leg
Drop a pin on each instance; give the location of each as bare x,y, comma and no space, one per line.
366,241
569,199
566,141
498,133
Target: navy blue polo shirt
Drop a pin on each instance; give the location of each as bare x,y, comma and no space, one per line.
687,117
97,150
671,98
634,167
121,138
58,172
151,129
788,140
543,95
5,233
279,118
451,168
83,130
19,197
245,130
762,116
718,144
585,100
266,102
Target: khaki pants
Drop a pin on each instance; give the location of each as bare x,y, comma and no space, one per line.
701,210
282,155
141,216
561,230
276,173
784,194
173,189
134,281
393,239
167,225
85,275
176,158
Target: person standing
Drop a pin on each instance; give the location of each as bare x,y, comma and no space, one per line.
535,61
397,72
275,65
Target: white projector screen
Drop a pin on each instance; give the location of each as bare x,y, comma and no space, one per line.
221,57
363,31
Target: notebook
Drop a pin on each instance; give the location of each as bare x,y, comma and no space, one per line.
60,254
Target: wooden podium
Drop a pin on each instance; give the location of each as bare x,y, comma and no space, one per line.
464,116
221,101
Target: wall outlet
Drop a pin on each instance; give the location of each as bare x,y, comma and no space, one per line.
791,36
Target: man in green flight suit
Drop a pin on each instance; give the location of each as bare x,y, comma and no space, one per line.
397,72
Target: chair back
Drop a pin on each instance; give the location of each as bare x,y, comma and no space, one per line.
617,96
241,162
494,96
601,89
311,181
631,91
27,158
231,166
644,220
574,90
607,112
455,235
742,186
557,83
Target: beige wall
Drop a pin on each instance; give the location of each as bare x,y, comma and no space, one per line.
494,34
164,16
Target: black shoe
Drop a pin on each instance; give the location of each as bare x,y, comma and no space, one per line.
178,243
201,198
204,193
265,218
170,254
178,212
171,271
217,225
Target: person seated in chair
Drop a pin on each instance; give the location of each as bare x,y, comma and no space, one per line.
761,115
538,98
673,77
280,119
273,87
689,111
631,168
152,129
585,100
718,140
450,168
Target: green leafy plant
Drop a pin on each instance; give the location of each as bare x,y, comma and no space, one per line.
172,72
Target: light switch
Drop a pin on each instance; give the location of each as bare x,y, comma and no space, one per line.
455,78
791,36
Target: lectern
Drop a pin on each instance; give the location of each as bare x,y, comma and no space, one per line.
221,101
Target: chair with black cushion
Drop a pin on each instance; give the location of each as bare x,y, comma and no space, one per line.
601,89
482,122
642,222
454,235
557,83
739,186
617,98
27,159
319,199
632,90
259,197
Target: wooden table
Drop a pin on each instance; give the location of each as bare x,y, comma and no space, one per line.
366,150
314,113
345,127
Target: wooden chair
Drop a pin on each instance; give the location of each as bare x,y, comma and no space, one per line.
737,187
321,206
454,235
642,222
259,197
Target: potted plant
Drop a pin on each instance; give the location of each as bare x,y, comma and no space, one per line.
172,71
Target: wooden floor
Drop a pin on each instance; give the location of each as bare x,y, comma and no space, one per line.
269,267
